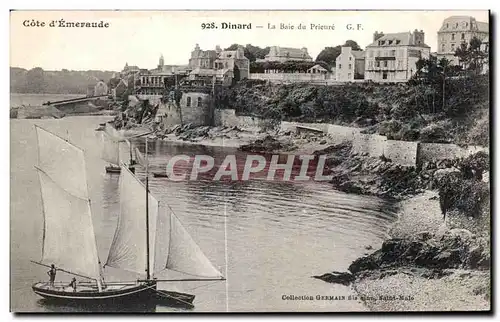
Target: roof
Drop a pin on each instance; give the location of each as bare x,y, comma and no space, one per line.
318,66
228,54
289,52
463,23
483,26
358,54
396,39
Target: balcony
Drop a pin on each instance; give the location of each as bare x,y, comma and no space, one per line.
379,58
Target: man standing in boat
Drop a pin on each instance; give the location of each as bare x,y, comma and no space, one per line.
73,284
52,274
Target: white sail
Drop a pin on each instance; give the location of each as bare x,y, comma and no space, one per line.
63,162
114,133
110,149
128,249
184,255
68,238
140,158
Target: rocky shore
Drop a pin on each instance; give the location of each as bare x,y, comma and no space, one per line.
427,264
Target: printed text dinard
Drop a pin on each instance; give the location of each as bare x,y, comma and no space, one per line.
65,24
211,25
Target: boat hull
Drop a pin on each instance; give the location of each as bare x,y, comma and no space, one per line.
128,294
160,175
113,169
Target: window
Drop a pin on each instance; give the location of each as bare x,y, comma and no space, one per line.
350,66
350,58
456,25
390,42
452,36
382,42
188,101
385,63
384,75
199,101
447,25
442,47
393,53
349,75
398,42
377,64
370,53
463,36
340,66
452,46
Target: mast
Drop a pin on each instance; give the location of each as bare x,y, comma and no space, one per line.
148,276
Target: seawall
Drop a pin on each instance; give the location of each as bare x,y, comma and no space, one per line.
406,153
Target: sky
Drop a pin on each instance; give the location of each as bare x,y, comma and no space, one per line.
139,37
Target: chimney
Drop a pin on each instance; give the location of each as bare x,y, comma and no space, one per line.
377,35
346,50
304,50
218,49
418,37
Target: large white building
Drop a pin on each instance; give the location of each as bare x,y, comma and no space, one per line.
456,30
393,57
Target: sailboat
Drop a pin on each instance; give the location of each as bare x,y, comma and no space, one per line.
111,139
143,226
141,160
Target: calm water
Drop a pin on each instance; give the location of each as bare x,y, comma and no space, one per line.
278,234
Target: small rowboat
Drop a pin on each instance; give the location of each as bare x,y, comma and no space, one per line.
113,169
160,175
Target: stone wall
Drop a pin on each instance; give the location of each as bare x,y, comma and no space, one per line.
371,144
315,79
341,134
292,77
228,117
292,126
440,151
401,152
405,153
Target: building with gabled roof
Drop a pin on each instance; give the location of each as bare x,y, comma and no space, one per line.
456,30
393,57
350,65
283,54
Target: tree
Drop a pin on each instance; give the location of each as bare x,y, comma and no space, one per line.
432,74
330,54
35,80
351,43
471,57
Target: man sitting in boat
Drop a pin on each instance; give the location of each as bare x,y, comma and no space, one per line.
52,274
73,284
